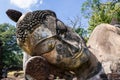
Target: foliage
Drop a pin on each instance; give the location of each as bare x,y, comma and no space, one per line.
77,26
82,32
89,6
11,54
99,12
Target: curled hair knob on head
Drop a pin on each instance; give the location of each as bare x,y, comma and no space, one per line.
13,14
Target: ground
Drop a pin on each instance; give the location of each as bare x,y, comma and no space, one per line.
12,74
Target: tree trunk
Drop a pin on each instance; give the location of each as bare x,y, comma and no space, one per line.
1,65
114,21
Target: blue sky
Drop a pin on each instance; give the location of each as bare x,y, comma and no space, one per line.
63,8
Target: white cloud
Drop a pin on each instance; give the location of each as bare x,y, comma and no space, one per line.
25,4
41,1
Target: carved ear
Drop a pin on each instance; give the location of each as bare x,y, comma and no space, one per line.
13,14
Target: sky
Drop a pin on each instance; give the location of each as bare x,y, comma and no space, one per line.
64,9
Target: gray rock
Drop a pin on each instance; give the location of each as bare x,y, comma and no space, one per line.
104,43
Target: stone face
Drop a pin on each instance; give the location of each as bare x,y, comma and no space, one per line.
55,49
40,33
104,43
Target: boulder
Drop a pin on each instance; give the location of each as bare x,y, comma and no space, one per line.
104,43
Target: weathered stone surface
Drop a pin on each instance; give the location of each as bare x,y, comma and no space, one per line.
37,68
13,14
40,33
104,43
25,58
